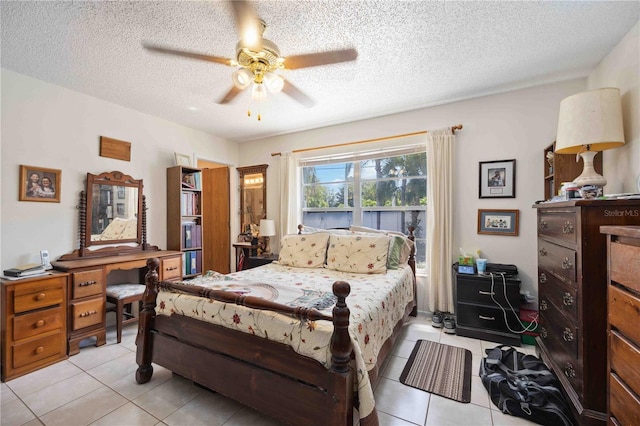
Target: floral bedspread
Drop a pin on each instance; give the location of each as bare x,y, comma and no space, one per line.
376,303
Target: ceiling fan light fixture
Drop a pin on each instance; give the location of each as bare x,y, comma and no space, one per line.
274,82
242,78
258,92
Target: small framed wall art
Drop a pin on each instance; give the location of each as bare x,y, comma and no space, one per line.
40,184
183,160
498,222
497,179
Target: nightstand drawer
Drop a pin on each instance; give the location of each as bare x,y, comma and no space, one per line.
557,259
562,226
39,294
486,317
484,291
87,313
38,322
87,283
36,350
171,268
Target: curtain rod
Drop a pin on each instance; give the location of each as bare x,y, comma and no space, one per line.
385,138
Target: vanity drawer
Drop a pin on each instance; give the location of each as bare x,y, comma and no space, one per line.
87,283
624,405
624,358
562,226
623,313
86,314
563,296
171,268
39,322
557,259
39,349
625,265
39,294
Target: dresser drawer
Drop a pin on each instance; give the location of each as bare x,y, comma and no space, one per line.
39,349
557,259
88,313
561,226
39,294
171,268
624,358
483,291
623,313
87,283
486,317
625,265
561,295
557,332
624,405
38,322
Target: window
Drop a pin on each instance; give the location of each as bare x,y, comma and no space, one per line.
382,191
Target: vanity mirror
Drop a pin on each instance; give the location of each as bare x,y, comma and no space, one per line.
253,196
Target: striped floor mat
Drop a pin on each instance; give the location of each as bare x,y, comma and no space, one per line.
440,369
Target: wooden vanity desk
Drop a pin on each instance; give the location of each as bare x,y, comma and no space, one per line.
86,306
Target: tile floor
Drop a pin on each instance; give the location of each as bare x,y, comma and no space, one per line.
98,387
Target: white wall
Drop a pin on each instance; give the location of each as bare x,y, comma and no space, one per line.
621,69
49,126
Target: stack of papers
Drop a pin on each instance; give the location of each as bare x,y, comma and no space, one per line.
25,270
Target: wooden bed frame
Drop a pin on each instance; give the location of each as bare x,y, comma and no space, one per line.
265,375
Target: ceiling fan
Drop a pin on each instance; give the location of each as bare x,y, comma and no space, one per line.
257,59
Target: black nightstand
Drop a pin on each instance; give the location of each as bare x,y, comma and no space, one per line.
255,261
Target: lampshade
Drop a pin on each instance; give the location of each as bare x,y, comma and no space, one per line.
258,92
242,78
267,228
590,122
274,82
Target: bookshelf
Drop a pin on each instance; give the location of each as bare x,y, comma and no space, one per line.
184,217
562,168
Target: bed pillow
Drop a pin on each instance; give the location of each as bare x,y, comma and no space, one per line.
360,254
304,251
405,250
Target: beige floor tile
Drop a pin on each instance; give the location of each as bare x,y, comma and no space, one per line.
130,389
419,330
403,348
462,342
385,419
128,414
6,394
85,410
43,378
247,416
92,356
115,369
206,409
401,401
446,412
15,413
394,368
479,394
168,397
61,393
501,419
34,422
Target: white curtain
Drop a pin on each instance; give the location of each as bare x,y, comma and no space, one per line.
288,195
440,144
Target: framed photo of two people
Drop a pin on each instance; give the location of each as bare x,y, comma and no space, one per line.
497,179
40,184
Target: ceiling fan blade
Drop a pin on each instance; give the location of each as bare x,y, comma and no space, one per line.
249,25
230,95
321,58
187,54
297,94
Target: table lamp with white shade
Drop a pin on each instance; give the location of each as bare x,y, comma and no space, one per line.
590,122
267,229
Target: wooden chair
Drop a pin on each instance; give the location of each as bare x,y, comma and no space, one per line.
123,296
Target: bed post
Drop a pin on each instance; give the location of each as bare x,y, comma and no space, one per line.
340,340
144,353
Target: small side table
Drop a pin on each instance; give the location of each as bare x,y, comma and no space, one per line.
243,252
255,261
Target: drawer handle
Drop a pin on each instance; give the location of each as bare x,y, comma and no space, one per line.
567,228
40,323
543,332
543,224
567,263
569,371
486,318
39,349
567,299
41,296
87,283
543,278
542,251
567,335
171,268
87,314
543,305
486,293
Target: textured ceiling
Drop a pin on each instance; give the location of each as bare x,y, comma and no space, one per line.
411,54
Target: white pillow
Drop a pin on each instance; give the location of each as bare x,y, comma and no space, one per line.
304,251
361,254
407,247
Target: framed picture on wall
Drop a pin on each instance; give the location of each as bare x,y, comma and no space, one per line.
498,222
497,179
40,184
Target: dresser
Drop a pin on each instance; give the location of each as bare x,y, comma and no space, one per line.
86,298
34,332
623,372
487,307
572,290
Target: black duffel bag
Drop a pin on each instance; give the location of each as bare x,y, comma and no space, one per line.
523,386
